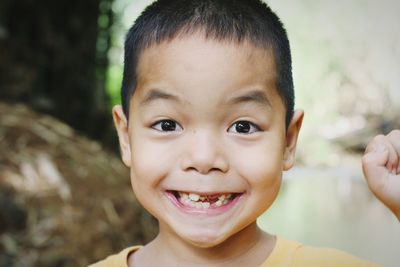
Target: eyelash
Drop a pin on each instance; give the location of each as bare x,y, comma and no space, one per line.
251,127
158,125
247,126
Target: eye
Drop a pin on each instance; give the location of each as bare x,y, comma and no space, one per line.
243,127
166,126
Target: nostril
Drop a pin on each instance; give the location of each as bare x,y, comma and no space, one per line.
206,168
204,156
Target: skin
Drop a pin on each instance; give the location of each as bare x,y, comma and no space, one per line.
204,88
381,167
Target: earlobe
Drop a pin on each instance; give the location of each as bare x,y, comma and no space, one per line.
121,125
292,135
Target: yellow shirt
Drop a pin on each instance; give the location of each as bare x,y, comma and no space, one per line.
285,253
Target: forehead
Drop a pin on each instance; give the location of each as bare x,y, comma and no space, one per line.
204,65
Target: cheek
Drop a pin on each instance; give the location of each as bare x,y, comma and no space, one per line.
148,170
151,162
262,165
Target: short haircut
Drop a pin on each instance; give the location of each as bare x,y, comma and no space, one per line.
222,20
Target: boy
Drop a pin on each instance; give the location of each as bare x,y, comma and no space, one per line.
207,125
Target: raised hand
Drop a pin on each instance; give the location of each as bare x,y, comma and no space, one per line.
381,167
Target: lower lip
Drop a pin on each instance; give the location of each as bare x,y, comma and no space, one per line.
203,211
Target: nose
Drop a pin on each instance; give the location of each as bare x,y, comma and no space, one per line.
204,153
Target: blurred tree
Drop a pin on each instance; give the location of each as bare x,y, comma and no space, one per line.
53,56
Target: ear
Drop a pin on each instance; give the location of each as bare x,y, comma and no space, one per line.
292,134
121,124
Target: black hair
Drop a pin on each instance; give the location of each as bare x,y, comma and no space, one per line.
222,20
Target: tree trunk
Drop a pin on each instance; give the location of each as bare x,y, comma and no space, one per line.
53,56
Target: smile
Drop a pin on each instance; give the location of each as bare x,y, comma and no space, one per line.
212,203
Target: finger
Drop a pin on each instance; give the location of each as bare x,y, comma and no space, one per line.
381,142
394,139
374,167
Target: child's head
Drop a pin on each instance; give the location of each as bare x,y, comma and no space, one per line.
235,21
211,123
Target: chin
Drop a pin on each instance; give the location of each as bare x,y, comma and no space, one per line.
204,239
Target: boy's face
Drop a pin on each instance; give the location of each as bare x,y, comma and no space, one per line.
206,119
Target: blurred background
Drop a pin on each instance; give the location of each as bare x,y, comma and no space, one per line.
65,198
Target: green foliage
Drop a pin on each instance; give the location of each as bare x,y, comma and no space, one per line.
113,83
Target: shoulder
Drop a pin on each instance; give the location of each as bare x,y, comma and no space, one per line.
290,253
117,260
312,256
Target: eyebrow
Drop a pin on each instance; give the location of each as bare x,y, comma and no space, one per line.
256,96
156,94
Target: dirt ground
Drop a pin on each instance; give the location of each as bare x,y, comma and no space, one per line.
64,200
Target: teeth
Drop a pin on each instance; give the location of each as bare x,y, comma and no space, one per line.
194,197
183,195
186,200
205,205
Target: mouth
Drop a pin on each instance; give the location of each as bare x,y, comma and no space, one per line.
203,202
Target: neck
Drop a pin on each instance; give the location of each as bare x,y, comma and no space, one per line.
249,247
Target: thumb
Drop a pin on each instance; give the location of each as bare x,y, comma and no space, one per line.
374,167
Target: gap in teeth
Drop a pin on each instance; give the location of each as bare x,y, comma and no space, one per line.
203,201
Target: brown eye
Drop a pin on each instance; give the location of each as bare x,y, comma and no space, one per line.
243,127
167,126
